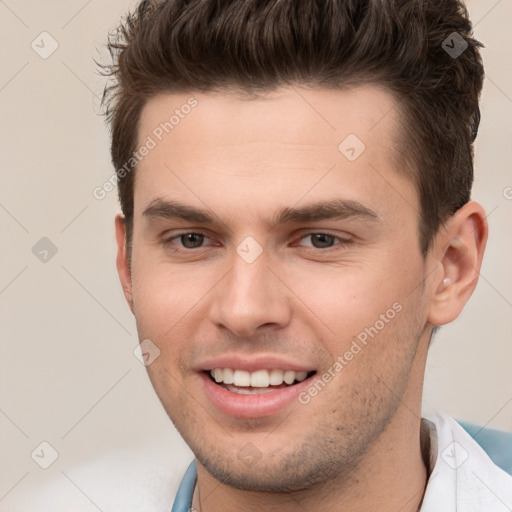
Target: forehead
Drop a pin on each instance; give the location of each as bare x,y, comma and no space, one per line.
281,143
302,116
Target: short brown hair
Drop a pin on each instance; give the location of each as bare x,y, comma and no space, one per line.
258,45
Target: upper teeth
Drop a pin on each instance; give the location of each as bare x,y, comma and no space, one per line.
257,379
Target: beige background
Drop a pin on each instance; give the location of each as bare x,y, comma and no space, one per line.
68,374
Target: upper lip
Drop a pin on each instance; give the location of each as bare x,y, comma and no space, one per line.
253,363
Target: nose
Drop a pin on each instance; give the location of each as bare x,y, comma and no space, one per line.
250,298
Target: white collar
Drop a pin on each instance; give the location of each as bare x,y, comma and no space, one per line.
463,478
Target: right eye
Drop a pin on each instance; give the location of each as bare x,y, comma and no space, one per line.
187,241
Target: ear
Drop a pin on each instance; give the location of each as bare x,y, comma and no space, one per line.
459,248
122,261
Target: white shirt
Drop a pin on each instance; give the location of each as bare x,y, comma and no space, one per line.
146,479
463,479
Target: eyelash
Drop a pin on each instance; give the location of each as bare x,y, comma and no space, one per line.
342,242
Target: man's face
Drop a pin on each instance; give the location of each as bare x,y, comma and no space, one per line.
269,283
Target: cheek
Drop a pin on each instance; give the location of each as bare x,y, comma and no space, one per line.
163,296
348,298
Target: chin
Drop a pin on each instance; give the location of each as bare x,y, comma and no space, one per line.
264,478
302,466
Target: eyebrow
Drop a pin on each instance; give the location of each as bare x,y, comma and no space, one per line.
338,209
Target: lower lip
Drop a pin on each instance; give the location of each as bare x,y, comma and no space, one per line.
251,406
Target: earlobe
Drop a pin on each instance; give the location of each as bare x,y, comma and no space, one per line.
462,244
122,261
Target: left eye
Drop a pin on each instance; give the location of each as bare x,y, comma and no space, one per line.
323,240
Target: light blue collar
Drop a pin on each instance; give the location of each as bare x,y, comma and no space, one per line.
183,500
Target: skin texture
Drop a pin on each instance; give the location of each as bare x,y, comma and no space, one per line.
356,444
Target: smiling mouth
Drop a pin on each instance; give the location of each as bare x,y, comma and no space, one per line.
258,382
